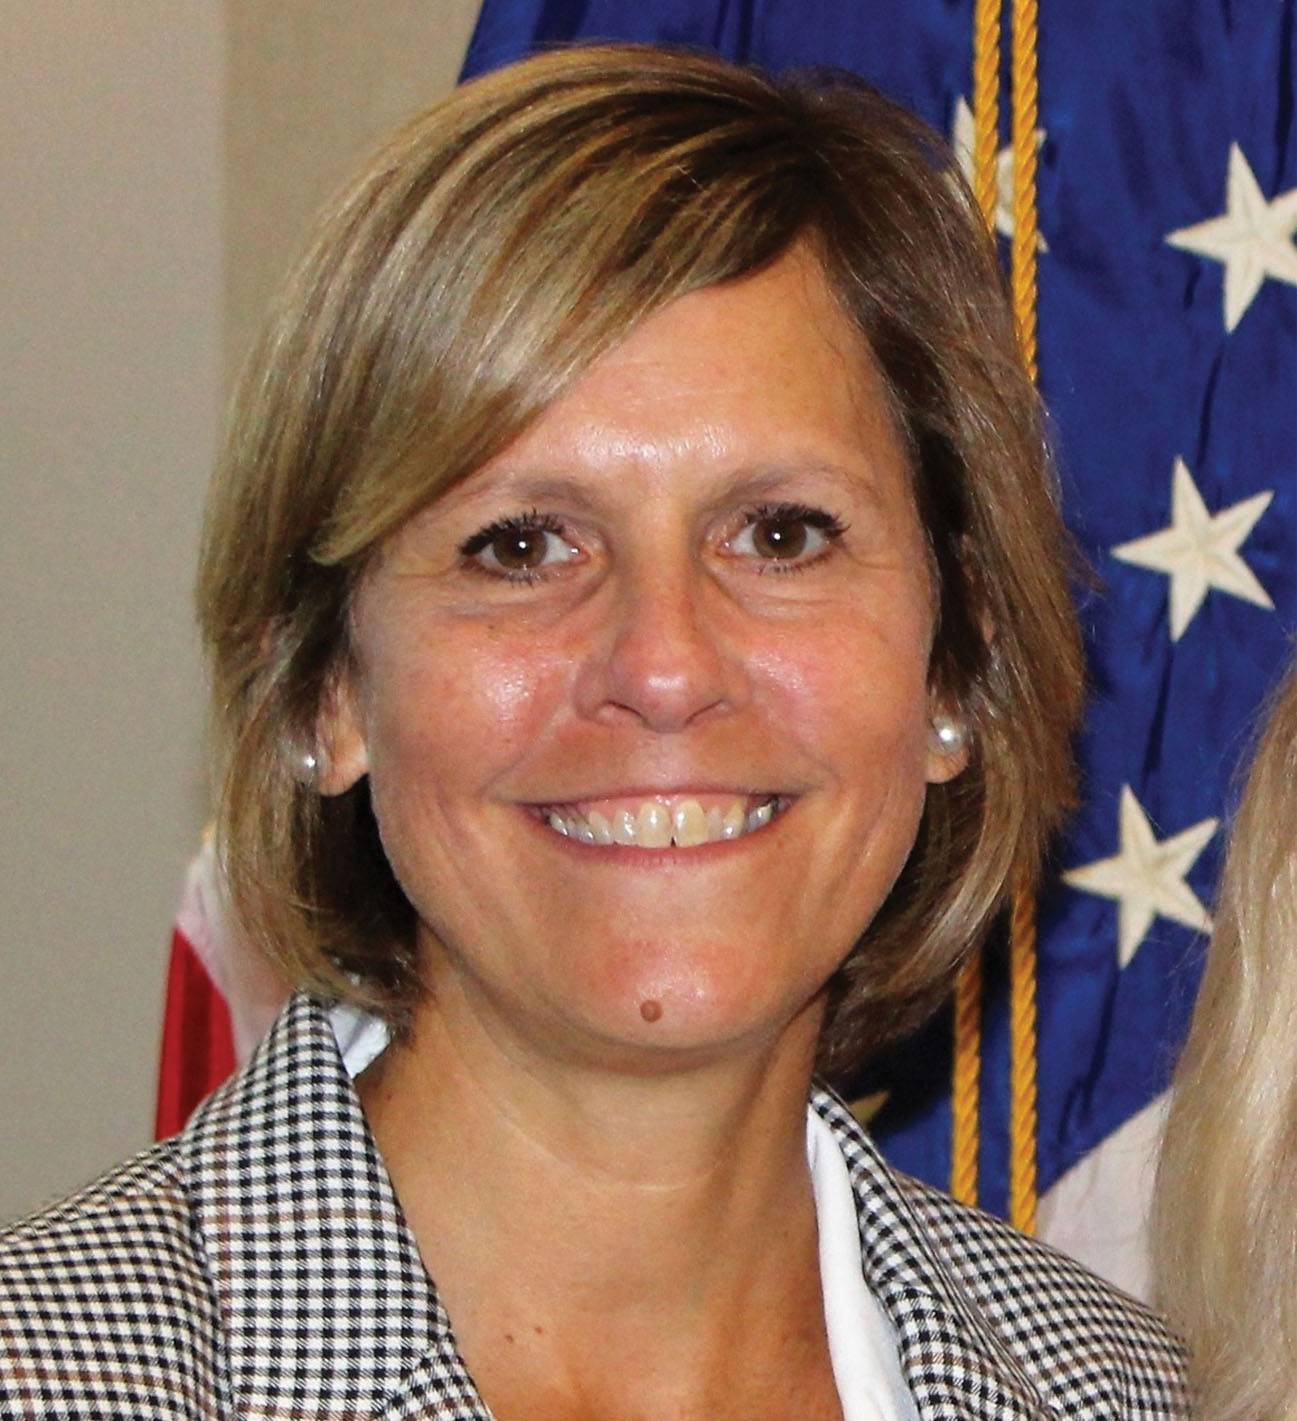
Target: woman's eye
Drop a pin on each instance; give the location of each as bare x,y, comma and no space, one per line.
519,547
787,533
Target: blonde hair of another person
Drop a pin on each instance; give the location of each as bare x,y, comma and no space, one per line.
1225,1226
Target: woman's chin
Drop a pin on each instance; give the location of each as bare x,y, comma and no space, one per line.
690,1012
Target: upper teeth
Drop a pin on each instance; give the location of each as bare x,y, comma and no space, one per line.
654,825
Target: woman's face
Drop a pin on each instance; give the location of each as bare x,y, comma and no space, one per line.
644,702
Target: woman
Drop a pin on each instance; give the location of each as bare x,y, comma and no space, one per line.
1226,1225
641,654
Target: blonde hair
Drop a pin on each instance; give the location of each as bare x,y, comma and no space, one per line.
487,255
1225,1222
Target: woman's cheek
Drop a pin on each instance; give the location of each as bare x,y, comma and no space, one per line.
848,689
476,702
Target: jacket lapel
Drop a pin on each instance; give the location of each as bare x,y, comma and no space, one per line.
329,1312
327,1308
954,1364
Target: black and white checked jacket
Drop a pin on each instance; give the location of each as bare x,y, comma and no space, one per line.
257,1265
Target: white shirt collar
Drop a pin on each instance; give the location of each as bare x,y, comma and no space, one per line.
862,1342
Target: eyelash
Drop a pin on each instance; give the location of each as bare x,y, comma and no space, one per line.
515,523
822,521
534,521
818,518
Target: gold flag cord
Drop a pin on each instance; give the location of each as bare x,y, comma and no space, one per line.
986,105
1022,1059
966,1083
1026,229
1023,1046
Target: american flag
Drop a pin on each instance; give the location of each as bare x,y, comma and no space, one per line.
1167,194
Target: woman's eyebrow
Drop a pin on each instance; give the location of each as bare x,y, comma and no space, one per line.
591,491
857,485
854,480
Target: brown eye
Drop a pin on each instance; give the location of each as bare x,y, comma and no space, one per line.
520,549
785,536
779,536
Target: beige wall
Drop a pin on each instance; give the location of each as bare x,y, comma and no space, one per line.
313,84
160,160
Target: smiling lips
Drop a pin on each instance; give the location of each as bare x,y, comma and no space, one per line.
682,821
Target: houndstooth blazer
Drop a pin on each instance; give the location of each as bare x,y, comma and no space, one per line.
258,1265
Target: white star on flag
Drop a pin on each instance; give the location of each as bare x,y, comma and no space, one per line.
1146,878
1252,237
961,141
1200,550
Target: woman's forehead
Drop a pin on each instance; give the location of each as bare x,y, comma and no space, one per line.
755,381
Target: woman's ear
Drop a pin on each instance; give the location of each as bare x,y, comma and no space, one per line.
950,731
341,749
949,744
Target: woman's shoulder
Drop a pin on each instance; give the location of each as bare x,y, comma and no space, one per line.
137,1208
1068,1328
106,1307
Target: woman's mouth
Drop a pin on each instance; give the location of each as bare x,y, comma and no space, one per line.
681,821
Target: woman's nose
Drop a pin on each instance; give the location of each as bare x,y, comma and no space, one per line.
666,658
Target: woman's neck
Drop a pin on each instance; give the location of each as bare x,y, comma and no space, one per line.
558,1196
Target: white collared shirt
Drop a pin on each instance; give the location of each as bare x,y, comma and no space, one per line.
862,1341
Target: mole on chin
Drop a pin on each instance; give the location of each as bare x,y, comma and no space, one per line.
650,1010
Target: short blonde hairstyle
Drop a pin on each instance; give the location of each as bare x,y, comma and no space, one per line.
493,249
1225,1208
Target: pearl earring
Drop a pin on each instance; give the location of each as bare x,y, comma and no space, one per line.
306,768
948,736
